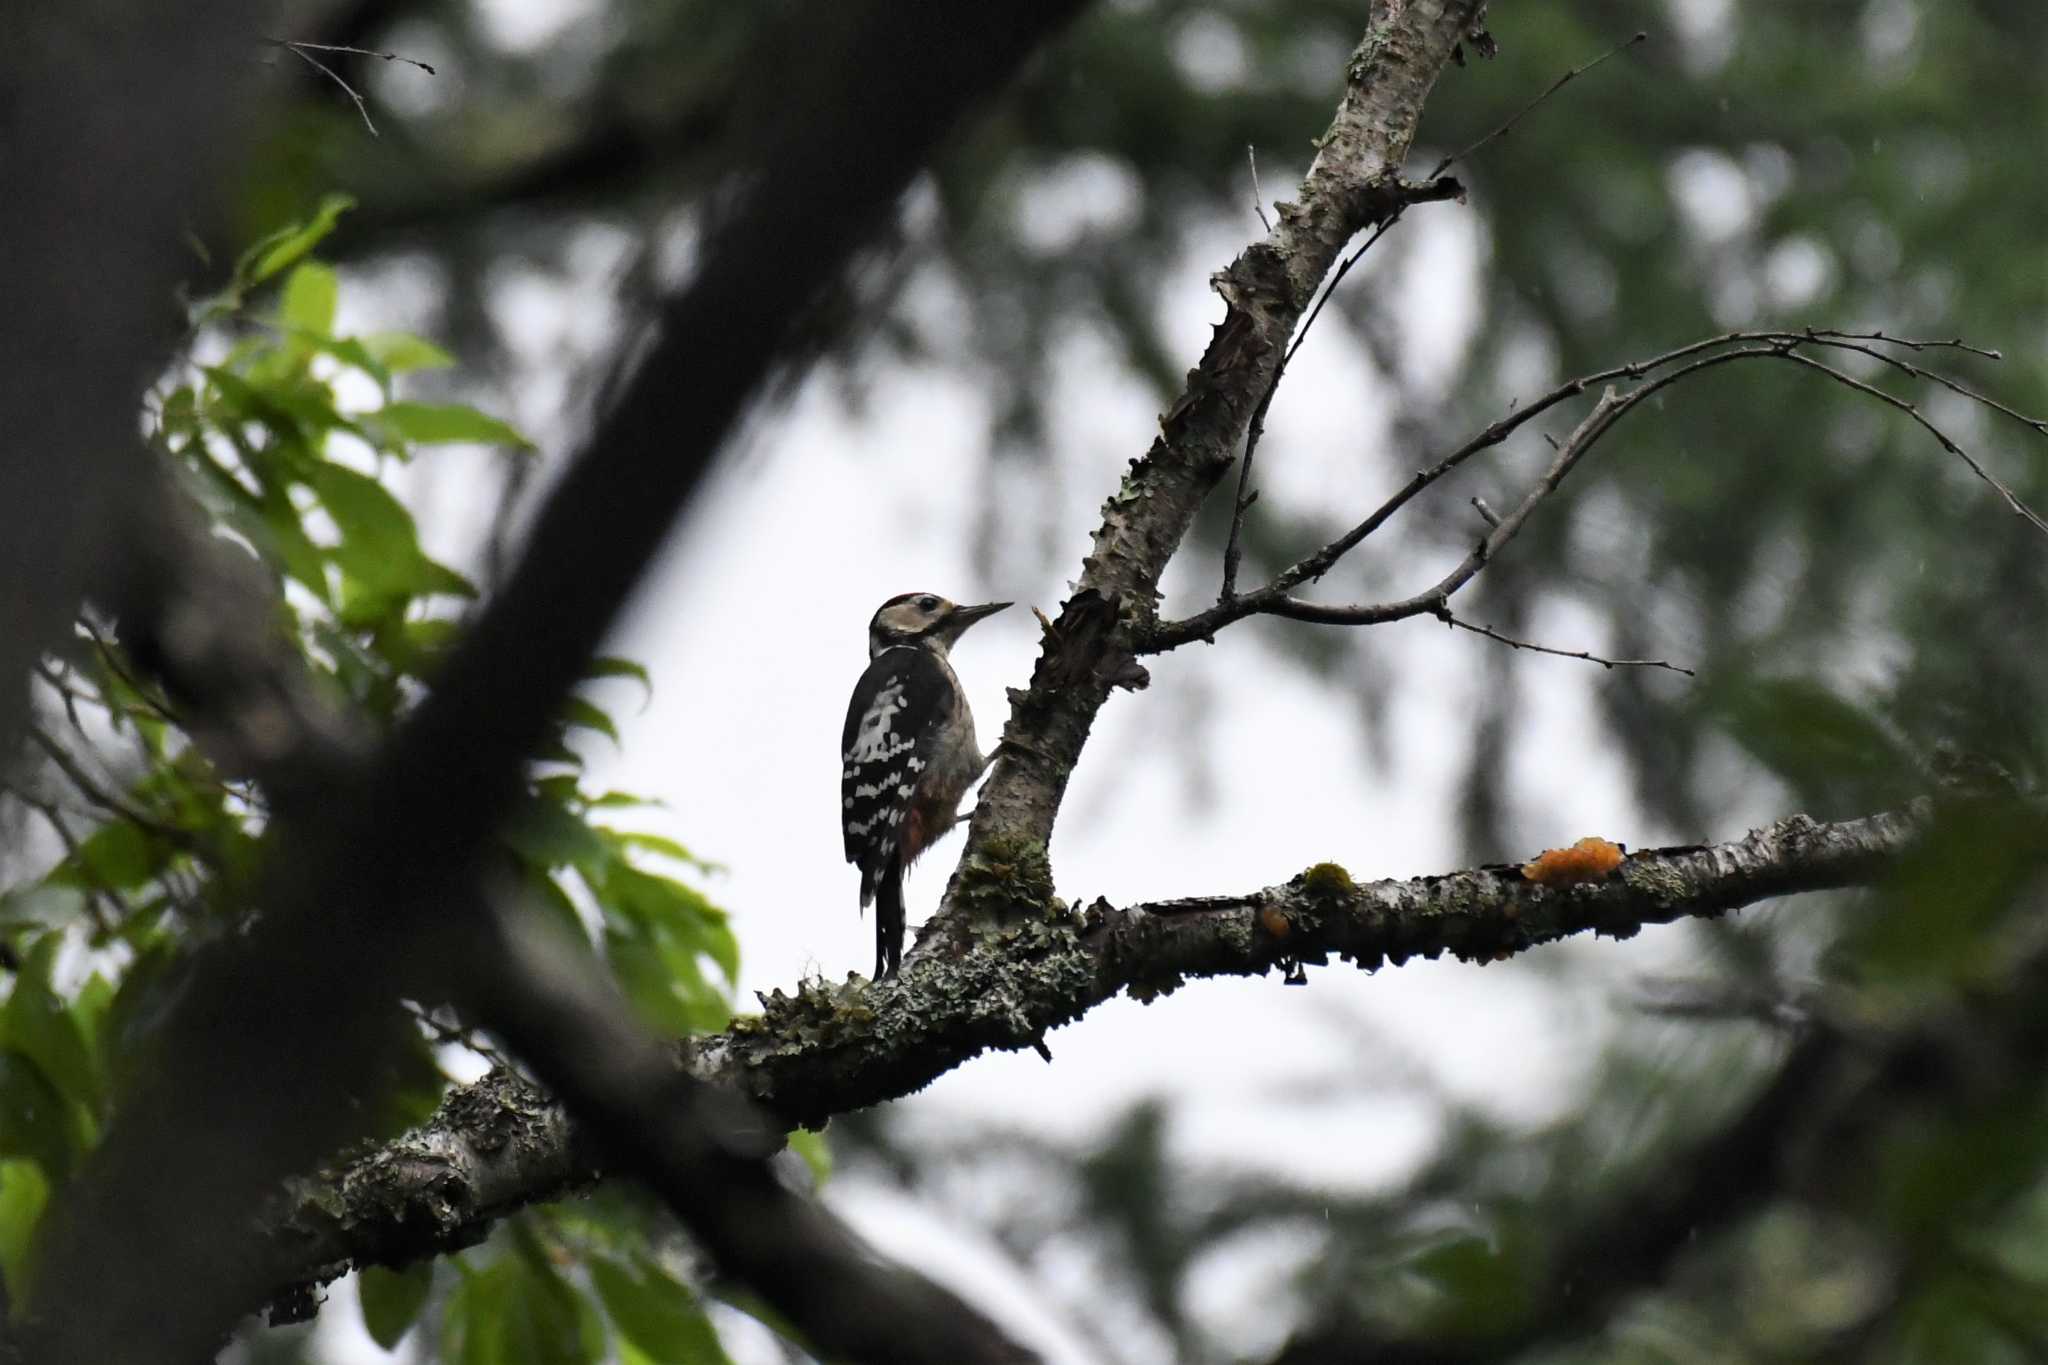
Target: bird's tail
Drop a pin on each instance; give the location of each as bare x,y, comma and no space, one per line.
889,920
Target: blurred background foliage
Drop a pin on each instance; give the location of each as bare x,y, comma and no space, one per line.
1868,621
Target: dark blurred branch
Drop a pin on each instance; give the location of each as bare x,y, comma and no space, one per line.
1629,1245
264,1065
830,1048
1650,377
114,115
705,1151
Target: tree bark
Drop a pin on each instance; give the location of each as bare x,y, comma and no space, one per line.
500,1144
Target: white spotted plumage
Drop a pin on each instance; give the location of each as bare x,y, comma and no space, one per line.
908,751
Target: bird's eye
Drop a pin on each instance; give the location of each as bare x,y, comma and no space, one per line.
927,603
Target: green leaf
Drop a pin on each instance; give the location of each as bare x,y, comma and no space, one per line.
40,1024
287,246
311,292
1837,754
587,716
418,647
473,1324
1484,1282
380,545
1944,912
36,1121
644,975
548,894
402,352
446,423
299,415
656,843
92,1007
608,666
815,1151
548,834
411,1086
657,1314
392,1299
24,1191
351,352
274,528
680,921
549,1321
614,800
48,904
562,788
116,857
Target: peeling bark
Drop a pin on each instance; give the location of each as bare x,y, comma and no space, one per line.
831,1048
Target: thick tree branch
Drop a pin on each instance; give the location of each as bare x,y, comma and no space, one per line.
113,115
830,1048
1354,182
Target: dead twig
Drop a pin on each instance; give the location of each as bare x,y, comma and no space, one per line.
1560,83
1432,188
299,50
1490,633
1652,376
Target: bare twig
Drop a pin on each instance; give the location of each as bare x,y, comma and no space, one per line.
1490,633
461,1035
1844,341
1658,372
297,43
1434,186
1246,496
97,794
67,695
1560,83
299,50
1251,155
2012,499
102,903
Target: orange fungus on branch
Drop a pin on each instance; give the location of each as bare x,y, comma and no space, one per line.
1588,860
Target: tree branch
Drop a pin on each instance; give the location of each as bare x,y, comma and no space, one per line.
1650,377
830,1048
1353,183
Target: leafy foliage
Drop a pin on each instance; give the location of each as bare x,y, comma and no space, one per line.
294,436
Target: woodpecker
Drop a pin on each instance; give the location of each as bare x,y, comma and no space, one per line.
908,753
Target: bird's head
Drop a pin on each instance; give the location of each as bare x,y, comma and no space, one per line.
925,620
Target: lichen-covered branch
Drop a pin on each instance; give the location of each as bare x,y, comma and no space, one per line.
1354,182
833,1048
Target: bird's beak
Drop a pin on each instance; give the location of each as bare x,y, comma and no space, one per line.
963,617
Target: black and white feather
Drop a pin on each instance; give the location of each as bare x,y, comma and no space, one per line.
898,708
908,753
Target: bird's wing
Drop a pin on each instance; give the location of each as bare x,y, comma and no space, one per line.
897,706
